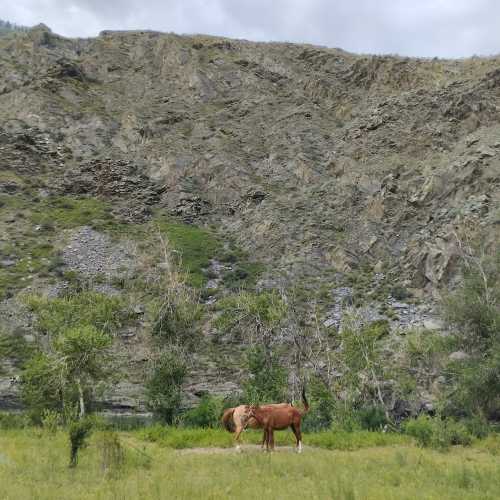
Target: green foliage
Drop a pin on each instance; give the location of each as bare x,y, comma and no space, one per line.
40,387
437,433
267,379
13,420
69,373
16,348
474,385
343,440
195,246
255,310
84,309
112,452
78,432
244,275
163,387
179,438
51,420
372,418
206,414
474,311
474,308
323,407
478,426
67,212
177,318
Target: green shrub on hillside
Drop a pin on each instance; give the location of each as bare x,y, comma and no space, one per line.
267,380
194,246
163,387
473,310
206,414
87,308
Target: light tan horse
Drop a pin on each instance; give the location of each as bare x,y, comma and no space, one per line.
238,419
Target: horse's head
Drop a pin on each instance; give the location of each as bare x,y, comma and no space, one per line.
253,411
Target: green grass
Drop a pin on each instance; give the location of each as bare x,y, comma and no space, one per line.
106,313
178,438
34,464
195,245
67,212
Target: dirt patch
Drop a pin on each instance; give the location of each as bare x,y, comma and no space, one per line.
251,448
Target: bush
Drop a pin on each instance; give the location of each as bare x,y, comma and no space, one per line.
478,427
206,414
78,433
163,388
372,418
438,433
268,379
421,429
323,407
14,421
78,310
51,420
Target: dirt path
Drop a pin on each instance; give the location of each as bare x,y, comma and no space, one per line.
249,448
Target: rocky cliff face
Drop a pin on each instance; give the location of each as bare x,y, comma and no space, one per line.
334,171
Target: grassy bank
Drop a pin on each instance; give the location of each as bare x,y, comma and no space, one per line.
178,438
34,465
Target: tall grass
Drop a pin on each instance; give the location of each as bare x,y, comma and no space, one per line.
174,437
34,464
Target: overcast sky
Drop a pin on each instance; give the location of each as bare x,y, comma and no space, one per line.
444,28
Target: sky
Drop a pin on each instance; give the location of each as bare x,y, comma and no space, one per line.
425,28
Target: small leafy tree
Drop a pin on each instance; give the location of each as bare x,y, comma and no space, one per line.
164,385
82,360
206,414
473,310
361,358
77,361
267,378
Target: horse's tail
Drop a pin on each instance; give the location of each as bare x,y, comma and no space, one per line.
227,420
304,400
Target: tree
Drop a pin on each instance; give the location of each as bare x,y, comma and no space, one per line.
267,380
164,385
473,311
77,361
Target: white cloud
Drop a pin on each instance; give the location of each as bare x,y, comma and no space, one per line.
446,28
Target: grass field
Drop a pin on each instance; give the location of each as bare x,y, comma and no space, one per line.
34,465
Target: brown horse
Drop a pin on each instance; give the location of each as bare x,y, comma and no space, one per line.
238,419
271,419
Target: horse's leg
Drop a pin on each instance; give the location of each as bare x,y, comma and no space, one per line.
239,430
298,435
271,438
264,439
268,437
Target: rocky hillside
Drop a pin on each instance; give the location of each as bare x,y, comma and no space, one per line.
337,174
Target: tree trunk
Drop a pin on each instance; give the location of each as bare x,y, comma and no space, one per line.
80,396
